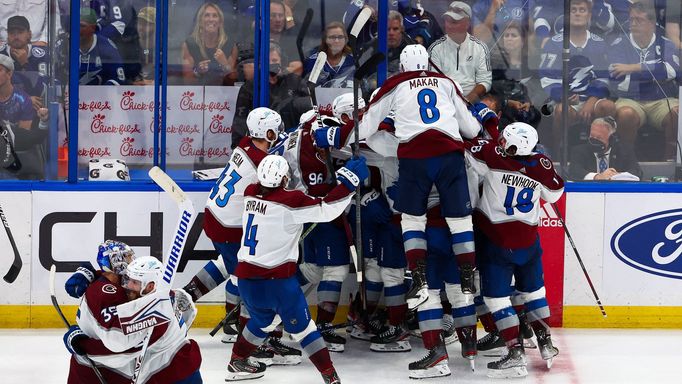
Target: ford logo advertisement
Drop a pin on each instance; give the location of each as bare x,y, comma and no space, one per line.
652,243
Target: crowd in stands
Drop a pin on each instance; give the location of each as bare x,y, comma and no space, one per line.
624,56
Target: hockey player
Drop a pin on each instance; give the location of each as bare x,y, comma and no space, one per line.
223,224
273,222
514,180
430,119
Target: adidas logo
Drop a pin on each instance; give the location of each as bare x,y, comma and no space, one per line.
548,217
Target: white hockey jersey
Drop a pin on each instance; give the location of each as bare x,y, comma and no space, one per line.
508,210
430,116
225,204
273,224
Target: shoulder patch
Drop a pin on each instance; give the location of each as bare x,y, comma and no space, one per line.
37,52
617,41
558,37
109,288
546,164
596,37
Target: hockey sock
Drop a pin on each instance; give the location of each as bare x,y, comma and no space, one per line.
326,311
508,325
429,315
485,316
414,239
373,293
232,297
396,314
463,247
321,360
247,342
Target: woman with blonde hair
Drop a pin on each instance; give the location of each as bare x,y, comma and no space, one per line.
208,54
339,68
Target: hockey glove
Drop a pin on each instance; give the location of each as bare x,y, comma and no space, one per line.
353,173
374,205
326,137
72,339
184,306
76,285
481,112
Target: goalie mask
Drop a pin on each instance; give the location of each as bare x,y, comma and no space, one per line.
414,58
140,273
519,139
263,120
272,170
343,104
114,256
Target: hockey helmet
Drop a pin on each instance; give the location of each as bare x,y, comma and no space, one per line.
142,271
261,120
114,256
344,104
519,139
414,58
272,170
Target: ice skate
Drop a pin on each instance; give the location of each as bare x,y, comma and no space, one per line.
526,331
263,355
510,366
467,340
449,332
331,377
335,343
230,332
490,342
466,273
282,353
434,364
392,339
419,291
547,350
365,331
244,369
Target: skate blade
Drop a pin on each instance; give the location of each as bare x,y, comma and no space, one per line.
472,363
265,360
509,373
338,348
440,370
529,344
549,361
398,346
286,360
239,376
360,335
450,339
416,302
229,339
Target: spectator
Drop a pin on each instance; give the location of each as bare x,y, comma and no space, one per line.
288,95
142,72
604,156
548,19
286,38
100,62
419,24
36,13
588,82
208,55
645,70
19,118
460,56
30,62
340,66
395,40
492,17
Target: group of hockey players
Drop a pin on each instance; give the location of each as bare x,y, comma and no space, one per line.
446,194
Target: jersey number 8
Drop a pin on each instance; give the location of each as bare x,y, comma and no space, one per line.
427,100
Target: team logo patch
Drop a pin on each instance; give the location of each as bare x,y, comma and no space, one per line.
546,164
37,52
109,288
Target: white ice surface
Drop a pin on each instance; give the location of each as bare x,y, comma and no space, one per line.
586,356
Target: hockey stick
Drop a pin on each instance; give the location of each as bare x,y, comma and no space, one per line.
172,260
580,260
302,32
312,83
55,304
225,319
15,268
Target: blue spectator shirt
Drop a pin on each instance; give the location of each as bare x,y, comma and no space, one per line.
17,108
548,18
31,77
660,73
587,67
340,76
101,64
512,11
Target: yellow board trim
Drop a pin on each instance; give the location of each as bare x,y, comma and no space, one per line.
44,316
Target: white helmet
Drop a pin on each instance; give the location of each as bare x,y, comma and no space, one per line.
145,269
522,137
344,104
272,170
261,120
414,58
307,117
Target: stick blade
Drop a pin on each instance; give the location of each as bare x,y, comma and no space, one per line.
360,21
164,181
13,272
317,68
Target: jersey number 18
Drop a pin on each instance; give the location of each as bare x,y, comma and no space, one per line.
523,201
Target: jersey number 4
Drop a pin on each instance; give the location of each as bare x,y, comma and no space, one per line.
523,201
222,201
427,100
250,235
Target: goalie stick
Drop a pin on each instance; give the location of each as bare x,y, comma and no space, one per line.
55,304
172,260
15,268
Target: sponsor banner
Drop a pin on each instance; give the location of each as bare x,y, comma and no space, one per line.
198,124
552,241
642,248
326,96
